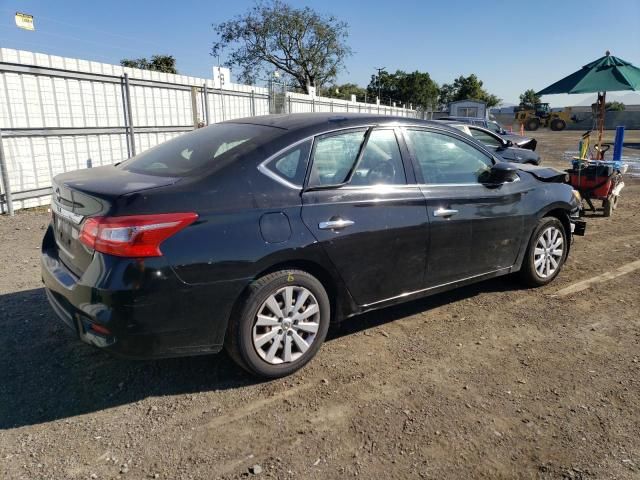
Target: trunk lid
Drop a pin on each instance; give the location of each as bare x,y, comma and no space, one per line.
89,193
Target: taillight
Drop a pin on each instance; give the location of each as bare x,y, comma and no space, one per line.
135,235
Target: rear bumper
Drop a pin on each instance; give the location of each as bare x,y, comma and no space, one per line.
137,308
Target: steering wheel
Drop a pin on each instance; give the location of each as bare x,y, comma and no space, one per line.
381,172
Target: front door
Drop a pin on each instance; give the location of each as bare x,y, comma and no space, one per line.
474,228
371,223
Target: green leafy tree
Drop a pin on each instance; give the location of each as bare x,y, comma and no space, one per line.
415,88
344,91
158,63
614,106
467,88
302,44
529,99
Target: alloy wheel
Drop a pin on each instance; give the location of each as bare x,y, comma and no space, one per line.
548,252
286,325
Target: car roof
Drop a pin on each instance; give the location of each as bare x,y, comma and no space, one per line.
315,123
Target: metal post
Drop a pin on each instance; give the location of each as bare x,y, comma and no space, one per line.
289,105
205,92
313,104
194,107
222,102
6,186
253,103
126,120
331,105
130,115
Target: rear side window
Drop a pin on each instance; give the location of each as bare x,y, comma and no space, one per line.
334,157
193,152
381,162
484,138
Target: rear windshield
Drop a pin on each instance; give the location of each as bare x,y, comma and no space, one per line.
196,151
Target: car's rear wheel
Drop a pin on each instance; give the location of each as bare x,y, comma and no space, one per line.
546,253
280,325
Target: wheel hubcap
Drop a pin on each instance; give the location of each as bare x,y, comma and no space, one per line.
286,325
548,252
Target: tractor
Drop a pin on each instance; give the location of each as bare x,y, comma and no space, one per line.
541,115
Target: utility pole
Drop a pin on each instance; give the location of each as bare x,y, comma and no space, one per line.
379,69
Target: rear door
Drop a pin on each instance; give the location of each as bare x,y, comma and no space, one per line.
370,221
474,228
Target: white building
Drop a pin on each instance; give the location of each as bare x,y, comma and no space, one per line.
468,108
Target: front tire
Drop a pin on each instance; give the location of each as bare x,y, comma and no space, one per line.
532,124
280,324
546,253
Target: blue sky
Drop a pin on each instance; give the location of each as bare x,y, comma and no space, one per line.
511,46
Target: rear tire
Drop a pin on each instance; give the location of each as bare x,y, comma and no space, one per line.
532,124
280,324
557,124
546,253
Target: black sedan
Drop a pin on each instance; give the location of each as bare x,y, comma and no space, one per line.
505,149
256,234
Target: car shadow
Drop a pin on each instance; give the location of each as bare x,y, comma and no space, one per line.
47,374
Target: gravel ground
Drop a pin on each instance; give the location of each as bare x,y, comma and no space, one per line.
488,381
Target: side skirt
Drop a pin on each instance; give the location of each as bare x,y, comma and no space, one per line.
405,297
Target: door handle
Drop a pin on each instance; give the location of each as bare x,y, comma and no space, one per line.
335,224
444,212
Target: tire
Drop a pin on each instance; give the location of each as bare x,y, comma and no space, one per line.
537,275
532,124
253,346
557,124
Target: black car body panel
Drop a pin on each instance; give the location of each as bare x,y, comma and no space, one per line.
251,223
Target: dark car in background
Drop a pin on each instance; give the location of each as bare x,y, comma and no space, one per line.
505,149
518,140
256,234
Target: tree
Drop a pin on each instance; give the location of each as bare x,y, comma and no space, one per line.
467,88
298,42
344,91
529,99
416,88
614,106
158,63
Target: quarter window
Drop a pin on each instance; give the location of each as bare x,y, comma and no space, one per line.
292,164
444,159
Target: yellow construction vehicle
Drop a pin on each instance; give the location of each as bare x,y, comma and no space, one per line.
542,116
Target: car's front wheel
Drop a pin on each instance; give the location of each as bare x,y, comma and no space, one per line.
546,253
281,324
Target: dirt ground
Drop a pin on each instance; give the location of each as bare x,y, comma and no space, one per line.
488,381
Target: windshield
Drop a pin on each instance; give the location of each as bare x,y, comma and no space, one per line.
192,152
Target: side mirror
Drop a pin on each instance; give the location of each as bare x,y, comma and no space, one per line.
501,172
509,143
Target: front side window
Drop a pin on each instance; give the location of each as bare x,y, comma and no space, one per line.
444,159
484,138
334,158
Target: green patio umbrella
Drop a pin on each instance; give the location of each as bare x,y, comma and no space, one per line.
606,74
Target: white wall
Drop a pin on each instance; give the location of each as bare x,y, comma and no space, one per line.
45,101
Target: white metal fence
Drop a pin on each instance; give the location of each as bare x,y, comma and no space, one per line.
60,114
